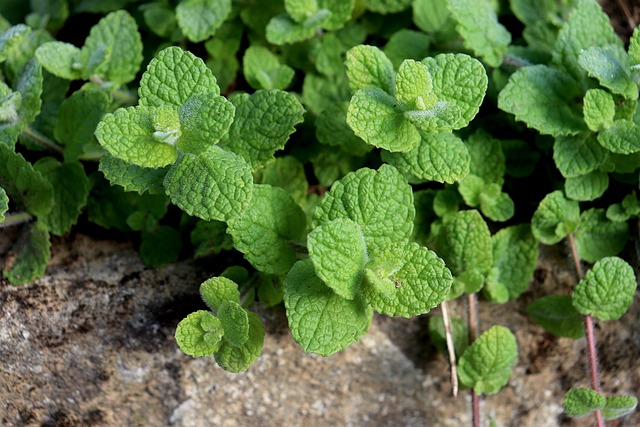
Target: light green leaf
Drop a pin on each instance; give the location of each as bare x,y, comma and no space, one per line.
204,120
388,6
471,188
606,291
407,44
4,203
321,321
217,290
238,359
160,246
60,59
581,401
368,67
441,157
332,129
173,76
597,237
235,322
263,70
515,256
319,92
12,37
283,30
287,173
215,184
610,66
262,125
263,230
479,27
406,280
132,177
223,50
619,406
555,218
598,109
587,187
431,16
556,314
446,201
341,11
414,88
486,364
339,253
128,134
459,333
199,334
199,19
542,97
31,254
381,202
330,164
118,34
634,47
70,190
300,10
623,137
29,84
487,159
578,154
498,207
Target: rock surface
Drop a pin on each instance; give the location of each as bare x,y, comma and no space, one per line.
91,344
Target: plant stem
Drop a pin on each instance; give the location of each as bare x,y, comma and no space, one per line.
450,347
122,96
15,219
42,140
515,62
473,333
592,352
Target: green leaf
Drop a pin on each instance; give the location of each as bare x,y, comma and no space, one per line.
321,321
587,26
283,30
238,359
610,66
217,290
598,109
60,59
199,334
606,291
12,37
479,27
406,280
132,177
619,406
431,16
414,88
555,218
623,137
51,13
263,69
128,134
204,120
498,207
542,97
459,334
407,44
319,92
486,364
339,253
634,47
581,401
332,129
70,190
215,184
368,67
173,76
299,10
515,256
235,322
210,237
161,19
556,314
587,187
487,159
597,237
263,230
29,84
223,50
578,154
4,203
199,19
118,34
388,6
287,173
26,186
30,255
160,246
381,202
262,125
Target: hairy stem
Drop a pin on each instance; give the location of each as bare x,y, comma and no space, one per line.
42,140
592,352
450,347
15,219
473,333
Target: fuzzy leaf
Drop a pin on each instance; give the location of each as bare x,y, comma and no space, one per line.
607,290
321,321
29,84
598,109
199,19
262,124
368,67
578,154
60,59
556,314
597,237
263,69
634,47
610,66
542,97
381,202
486,364
623,137
264,228
555,218
235,322
199,334
618,406
216,290
29,256
406,280
238,359
132,177
479,27
414,87
204,120
173,76
580,401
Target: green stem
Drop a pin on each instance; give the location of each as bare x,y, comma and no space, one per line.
42,140
17,218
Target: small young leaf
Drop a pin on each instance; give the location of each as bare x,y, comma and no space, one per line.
12,37
623,137
339,253
368,67
597,237
216,184
264,229
132,177
263,69
235,322
586,187
598,109
203,120
479,27
486,364
610,66
578,154
581,401
556,314
406,280
618,406
555,218
216,290
607,290
199,334
238,359
321,321
199,19
60,59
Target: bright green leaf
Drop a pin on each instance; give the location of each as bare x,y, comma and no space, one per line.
578,154
199,19
263,69
556,314
235,322
204,120
555,218
60,59
598,109
216,290
587,187
12,37
581,401
4,203
431,16
619,406
283,30
634,47
238,359
199,334
610,66
623,137
597,237
132,177
487,159
368,67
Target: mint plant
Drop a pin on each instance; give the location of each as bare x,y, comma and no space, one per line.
357,157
